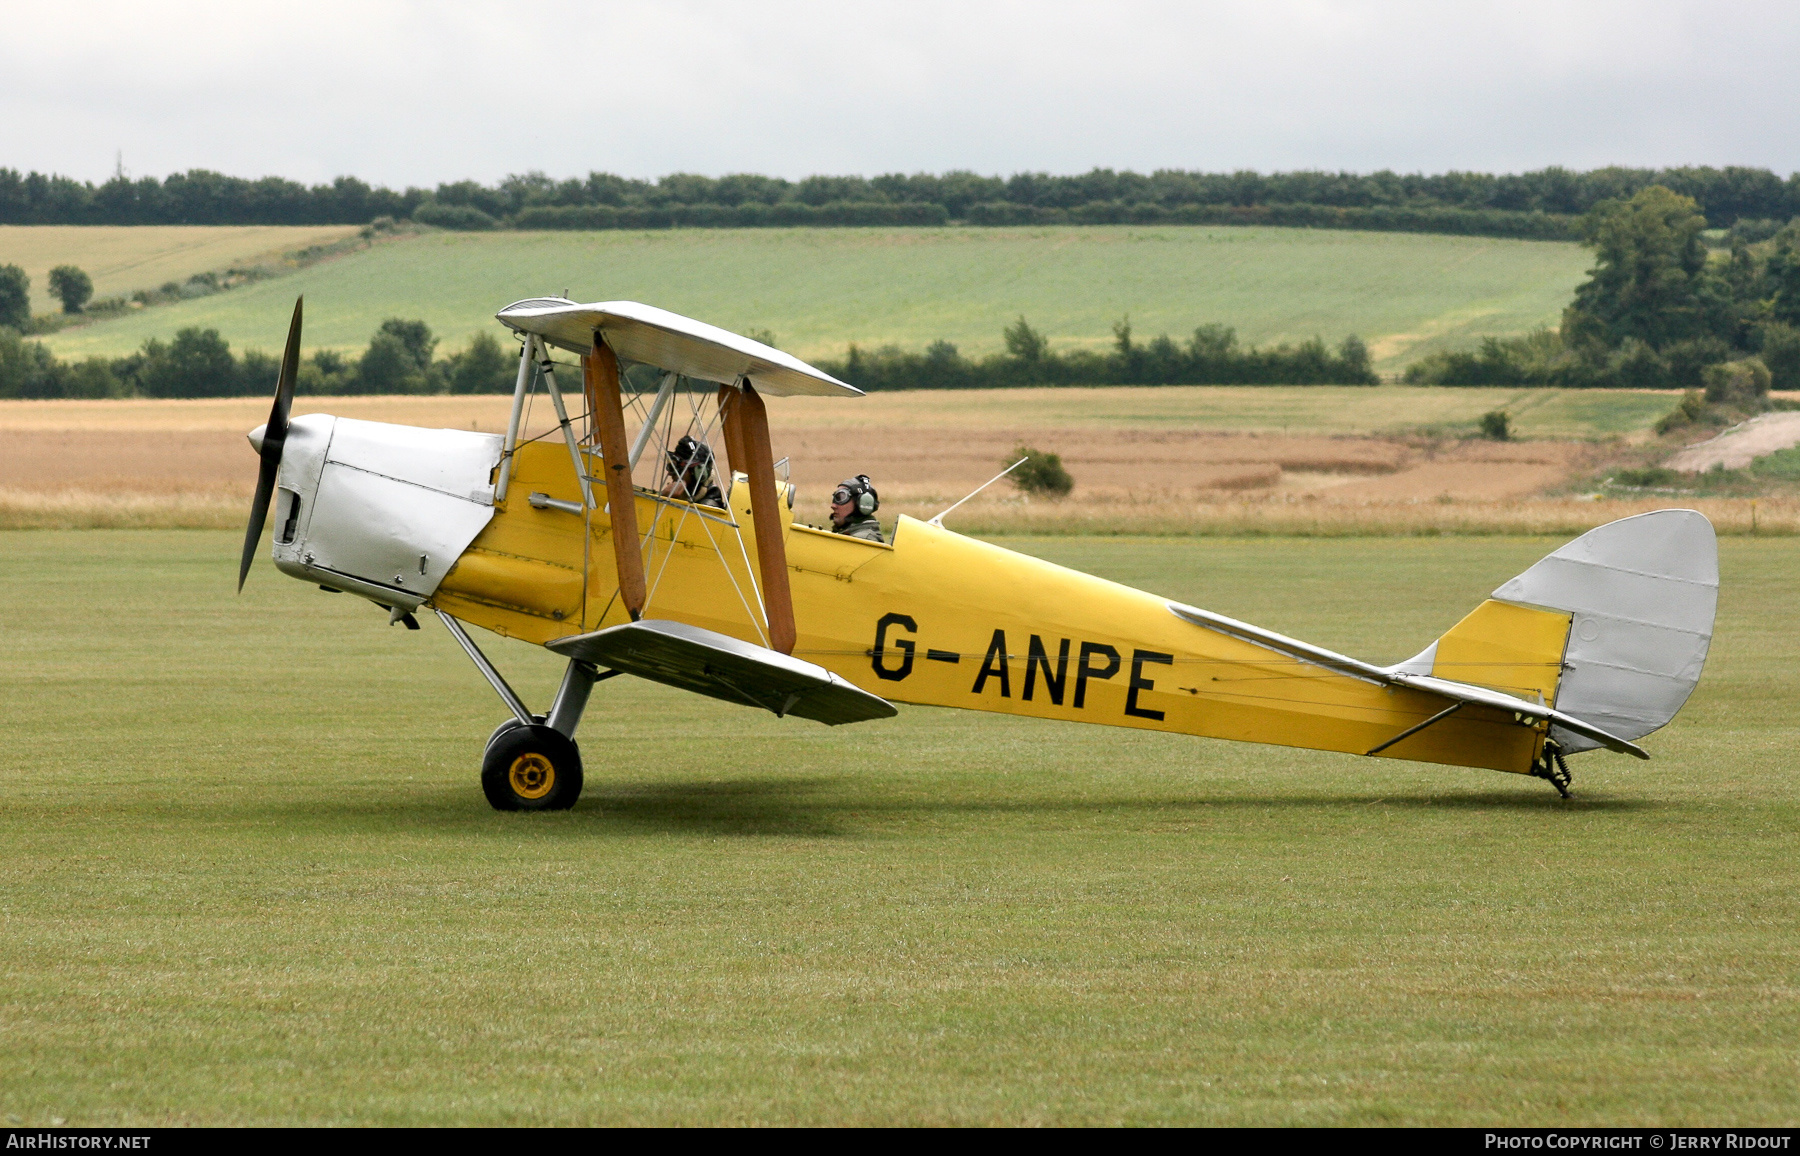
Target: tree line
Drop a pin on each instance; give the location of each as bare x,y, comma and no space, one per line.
1545,203
402,358
1210,356
1658,310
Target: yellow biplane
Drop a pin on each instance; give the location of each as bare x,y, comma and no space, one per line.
573,541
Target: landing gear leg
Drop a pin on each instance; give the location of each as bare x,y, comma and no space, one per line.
531,762
571,697
1551,768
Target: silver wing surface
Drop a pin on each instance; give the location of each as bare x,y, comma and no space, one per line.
718,666
670,341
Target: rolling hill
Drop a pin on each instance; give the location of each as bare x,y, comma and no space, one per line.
820,289
125,258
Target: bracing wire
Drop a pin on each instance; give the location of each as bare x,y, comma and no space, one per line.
705,434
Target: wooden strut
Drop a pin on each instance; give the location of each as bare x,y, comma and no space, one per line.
746,430
735,459
600,378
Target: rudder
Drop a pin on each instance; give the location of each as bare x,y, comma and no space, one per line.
1612,629
1642,593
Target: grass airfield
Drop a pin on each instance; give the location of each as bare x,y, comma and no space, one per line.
249,878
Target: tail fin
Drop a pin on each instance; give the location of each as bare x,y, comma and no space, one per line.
1642,593
1612,629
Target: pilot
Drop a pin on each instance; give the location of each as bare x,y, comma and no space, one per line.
853,506
690,467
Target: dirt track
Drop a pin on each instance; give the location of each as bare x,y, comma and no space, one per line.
1742,444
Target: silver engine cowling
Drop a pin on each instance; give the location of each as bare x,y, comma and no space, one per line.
380,510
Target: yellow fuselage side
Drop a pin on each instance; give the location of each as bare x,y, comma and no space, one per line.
943,620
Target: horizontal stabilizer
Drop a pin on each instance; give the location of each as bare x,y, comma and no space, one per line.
718,666
1395,676
1463,692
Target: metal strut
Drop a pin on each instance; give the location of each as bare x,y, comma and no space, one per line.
511,443
1551,768
547,367
512,700
571,697
1413,730
656,407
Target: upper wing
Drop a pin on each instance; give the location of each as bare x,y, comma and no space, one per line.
670,341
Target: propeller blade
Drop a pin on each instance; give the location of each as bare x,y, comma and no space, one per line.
274,438
259,514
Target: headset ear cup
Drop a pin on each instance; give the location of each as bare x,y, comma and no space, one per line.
865,502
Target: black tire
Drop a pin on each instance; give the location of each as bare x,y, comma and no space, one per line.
531,768
505,726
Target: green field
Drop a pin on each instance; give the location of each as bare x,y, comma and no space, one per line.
820,289
248,877
125,258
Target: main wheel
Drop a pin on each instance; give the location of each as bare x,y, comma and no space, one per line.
531,768
507,724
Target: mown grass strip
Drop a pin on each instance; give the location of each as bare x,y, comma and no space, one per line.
246,876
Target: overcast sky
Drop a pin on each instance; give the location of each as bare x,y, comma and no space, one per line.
417,93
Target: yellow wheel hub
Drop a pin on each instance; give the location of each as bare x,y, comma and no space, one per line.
533,776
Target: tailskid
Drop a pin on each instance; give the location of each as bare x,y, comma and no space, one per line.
1551,768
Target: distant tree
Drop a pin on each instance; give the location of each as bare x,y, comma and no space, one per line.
1690,410
1025,343
1647,282
1741,383
389,366
93,377
15,297
1213,349
945,367
1635,365
326,371
1688,360
484,367
1496,425
1353,355
25,366
1781,353
257,373
1784,275
72,286
416,336
1041,474
1129,363
197,363
1121,337
27,369
466,218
